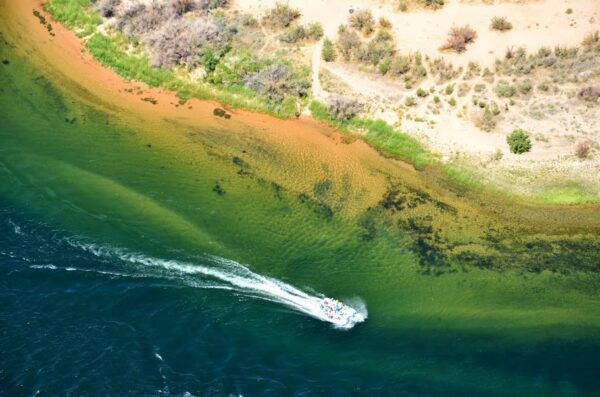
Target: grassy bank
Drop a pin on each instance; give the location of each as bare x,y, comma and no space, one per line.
378,134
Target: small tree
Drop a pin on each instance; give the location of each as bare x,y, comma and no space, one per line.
328,53
518,141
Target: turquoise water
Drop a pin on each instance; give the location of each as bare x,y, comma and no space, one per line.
108,227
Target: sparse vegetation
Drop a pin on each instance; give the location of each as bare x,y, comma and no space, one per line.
501,24
518,141
458,38
293,34
281,16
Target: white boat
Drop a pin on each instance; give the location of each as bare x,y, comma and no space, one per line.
340,314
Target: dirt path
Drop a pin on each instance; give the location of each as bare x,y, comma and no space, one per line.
316,68
366,84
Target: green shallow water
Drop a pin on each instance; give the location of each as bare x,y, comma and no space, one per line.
462,298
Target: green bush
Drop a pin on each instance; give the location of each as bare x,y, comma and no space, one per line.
525,87
518,141
328,53
505,90
501,24
421,93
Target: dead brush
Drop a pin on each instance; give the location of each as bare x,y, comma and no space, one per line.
509,53
458,38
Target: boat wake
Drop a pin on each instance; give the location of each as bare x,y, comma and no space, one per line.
227,274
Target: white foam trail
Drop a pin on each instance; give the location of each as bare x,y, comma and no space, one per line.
231,275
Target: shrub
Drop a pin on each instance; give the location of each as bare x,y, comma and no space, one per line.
348,42
314,31
505,90
518,141
582,149
363,21
293,34
277,80
421,93
385,23
210,4
591,42
343,108
501,24
328,53
179,40
487,121
525,87
410,101
281,16
569,11
458,38
379,48
400,65
435,4
384,65
137,19
452,101
590,93
183,6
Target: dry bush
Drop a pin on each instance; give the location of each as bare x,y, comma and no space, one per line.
183,6
276,81
348,42
281,16
582,149
458,38
590,93
343,108
591,42
179,40
363,21
385,23
137,19
510,53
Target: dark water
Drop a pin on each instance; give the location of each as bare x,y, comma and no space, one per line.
107,228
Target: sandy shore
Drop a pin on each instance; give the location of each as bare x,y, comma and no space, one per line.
64,54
